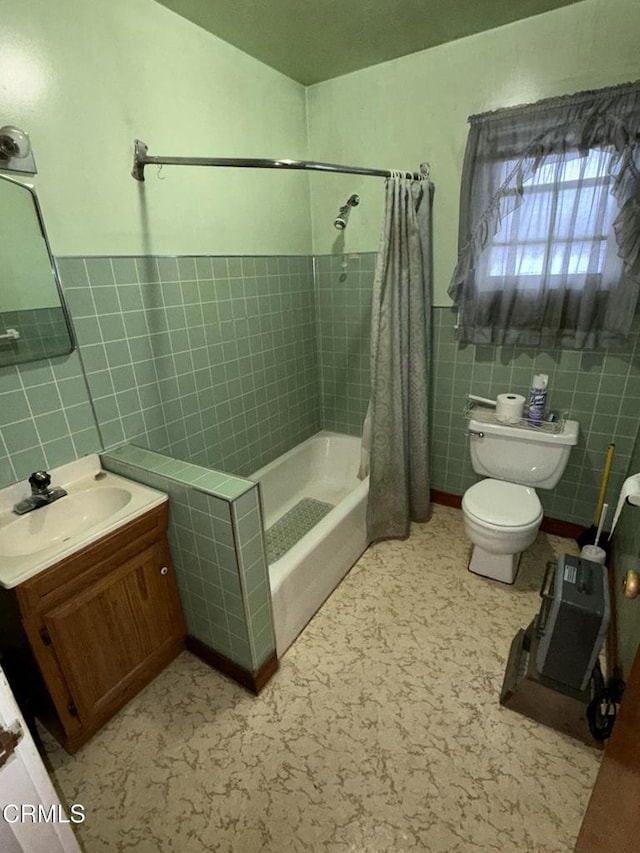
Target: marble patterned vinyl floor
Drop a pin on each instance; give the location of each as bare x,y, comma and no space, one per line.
381,731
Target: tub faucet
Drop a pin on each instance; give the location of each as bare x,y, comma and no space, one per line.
41,494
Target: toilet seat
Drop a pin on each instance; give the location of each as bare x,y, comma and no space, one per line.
502,505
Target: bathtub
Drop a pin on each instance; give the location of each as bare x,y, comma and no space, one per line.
324,468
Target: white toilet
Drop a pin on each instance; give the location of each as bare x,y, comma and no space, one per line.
502,514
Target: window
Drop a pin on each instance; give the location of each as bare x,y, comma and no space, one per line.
549,231
562,233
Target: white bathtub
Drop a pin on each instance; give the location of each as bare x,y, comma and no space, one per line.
323,467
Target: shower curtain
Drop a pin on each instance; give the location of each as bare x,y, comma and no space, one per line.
396,426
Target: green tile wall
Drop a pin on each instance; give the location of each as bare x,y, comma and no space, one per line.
601,391
211,360
229,362
246,518
45,417
343,293
216,541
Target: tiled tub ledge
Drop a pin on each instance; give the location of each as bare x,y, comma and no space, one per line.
216,483
217,544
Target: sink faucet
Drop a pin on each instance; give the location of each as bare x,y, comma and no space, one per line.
41,494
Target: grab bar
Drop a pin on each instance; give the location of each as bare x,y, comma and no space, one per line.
10,335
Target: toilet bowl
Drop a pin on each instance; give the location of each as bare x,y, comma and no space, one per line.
502,513
501,519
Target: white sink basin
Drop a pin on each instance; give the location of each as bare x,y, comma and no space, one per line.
57,523
97,503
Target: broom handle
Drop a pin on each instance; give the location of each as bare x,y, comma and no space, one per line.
603,484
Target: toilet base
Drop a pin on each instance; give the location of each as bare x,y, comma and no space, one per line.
497,567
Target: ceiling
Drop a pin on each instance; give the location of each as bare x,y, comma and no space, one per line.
314,40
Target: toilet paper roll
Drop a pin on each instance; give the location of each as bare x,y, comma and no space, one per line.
630,492
509,408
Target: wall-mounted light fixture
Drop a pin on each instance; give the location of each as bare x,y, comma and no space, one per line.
15,151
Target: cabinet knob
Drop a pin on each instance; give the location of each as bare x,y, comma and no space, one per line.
164,570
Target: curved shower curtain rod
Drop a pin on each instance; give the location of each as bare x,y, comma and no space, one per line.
142,159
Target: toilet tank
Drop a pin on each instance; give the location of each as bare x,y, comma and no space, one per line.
520,454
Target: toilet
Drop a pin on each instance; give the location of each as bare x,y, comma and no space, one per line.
502,513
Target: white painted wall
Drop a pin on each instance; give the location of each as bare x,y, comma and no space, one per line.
84,77
399,113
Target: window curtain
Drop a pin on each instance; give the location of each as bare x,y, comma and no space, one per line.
549,239
396,426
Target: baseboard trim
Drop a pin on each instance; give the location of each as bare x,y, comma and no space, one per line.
558,527
554,526
446,499
252,681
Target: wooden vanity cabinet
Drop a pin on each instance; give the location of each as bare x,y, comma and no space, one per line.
103,623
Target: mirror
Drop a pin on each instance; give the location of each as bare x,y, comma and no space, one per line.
34,322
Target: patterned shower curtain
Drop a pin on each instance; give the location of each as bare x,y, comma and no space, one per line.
396,427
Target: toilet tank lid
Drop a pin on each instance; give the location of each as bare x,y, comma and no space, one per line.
486,422
499,502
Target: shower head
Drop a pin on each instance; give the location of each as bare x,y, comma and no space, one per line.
340,222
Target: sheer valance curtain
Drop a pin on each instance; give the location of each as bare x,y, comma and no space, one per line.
549,240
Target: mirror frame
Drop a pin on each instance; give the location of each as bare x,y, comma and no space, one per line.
54,272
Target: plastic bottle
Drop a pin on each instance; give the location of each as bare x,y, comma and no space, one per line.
537,400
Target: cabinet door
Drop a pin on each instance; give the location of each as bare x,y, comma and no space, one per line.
110,637
612,820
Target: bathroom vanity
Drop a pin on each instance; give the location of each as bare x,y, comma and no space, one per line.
102,620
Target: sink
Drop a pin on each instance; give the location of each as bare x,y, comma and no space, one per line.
97,502
59,521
